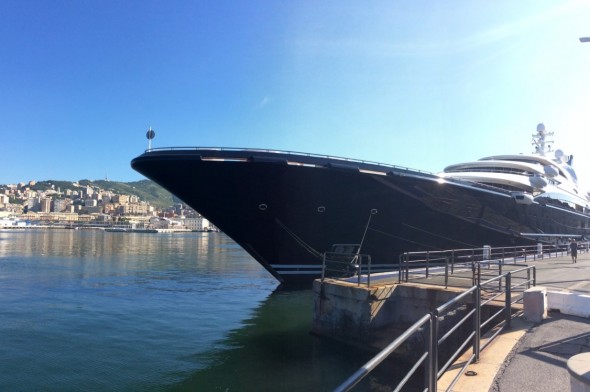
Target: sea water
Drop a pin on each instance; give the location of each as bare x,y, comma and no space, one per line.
88,310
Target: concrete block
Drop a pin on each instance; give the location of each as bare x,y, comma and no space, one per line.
535,304
569,303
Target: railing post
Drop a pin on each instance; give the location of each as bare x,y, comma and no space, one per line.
477,322
323,266
407,267
433,352
427,262
446,272
534,275
369,274
500,274
508,301
356,260
528,278
400,270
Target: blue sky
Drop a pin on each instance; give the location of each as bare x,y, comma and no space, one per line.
417,84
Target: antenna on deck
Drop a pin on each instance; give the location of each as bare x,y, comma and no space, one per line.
150,134
540,142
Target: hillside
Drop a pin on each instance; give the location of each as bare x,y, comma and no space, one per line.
145,189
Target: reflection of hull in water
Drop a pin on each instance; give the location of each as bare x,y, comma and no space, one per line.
286,209
275,351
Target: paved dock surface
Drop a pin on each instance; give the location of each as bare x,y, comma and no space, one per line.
538,361
533,357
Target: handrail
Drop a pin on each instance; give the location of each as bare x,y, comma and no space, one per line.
286,152
337,265
383,354
434,340
425,264
506,252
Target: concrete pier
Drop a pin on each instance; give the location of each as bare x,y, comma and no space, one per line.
532,355
371,317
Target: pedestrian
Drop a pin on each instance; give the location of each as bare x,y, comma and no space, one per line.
574,250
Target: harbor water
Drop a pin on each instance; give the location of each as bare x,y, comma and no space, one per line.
88,310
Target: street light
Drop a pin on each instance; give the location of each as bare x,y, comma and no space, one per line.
584,39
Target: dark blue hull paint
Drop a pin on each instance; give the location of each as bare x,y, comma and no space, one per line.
285,215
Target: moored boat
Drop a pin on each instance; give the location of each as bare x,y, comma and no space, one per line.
287,208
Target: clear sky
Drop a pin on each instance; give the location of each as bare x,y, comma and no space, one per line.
421,84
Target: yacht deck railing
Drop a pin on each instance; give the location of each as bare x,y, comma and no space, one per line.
287,152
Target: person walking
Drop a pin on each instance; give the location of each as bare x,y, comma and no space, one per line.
574,250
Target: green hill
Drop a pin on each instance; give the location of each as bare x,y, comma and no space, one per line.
145,189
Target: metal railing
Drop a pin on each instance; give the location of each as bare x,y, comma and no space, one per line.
303,155
414,266
469,306
338,265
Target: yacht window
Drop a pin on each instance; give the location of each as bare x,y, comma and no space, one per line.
572,173
491,169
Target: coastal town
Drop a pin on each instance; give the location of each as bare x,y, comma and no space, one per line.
89,206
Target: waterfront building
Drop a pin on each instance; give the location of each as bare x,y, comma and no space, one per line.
60,205
104,218
93,210
198,223
121,199
45,205
138,222
85,218
49,216
134,209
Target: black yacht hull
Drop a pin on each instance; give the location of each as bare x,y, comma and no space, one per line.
286,209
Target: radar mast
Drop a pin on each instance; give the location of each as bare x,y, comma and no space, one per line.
540,142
